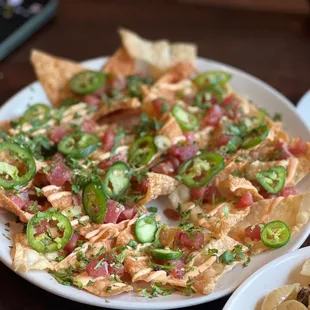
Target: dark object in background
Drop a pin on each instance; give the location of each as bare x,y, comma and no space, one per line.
19,19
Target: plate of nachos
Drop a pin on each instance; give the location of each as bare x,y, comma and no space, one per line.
151,178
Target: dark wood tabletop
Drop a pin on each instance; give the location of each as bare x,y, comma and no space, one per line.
274,47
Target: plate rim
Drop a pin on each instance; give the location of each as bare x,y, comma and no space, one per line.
184,302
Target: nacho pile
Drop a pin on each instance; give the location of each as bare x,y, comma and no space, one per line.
78,175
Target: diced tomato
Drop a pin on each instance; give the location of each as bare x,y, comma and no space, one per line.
20,202
183,152
195,242
73,243
59,174
108,139
231,107
144,186
159,104
40,229
190,137
105,164
57,133
287,191
58,157
198,193
253,232
211,194
282,147
100,271
91,100
127,214
298,147
117,82
117,269
164,167
245,201
179,269
222,140
172,214
213,116
175,163
114,209
89,125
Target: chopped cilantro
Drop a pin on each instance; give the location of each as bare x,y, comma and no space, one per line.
119,134
226,211
133,244
152,209
156,290
277,117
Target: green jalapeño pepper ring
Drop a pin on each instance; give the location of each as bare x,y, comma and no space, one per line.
10,174
116,180
255,137
94,201
141,151
48,231
199,170
38,112
212,78
187,121
78,145
273,179
275,234
87,82
145,228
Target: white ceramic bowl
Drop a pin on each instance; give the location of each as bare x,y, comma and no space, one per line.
247,85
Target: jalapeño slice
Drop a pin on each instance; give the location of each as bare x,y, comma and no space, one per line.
20,168
141,151
78,145
275,234
255,137
116,180
273,179
212,78
48,231
199,170
187,121
87,82
145,228
39,113
94,201
166,254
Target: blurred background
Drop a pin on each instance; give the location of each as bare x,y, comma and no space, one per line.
267,38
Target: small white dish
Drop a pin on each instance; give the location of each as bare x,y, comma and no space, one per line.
281,271
261,94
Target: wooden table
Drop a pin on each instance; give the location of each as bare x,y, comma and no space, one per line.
274,47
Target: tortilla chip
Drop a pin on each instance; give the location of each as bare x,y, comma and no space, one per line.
171,128
9,205
293,210
125,104
156,57
25,258
54,73
159,184
60,200
120,64
180,195
235,187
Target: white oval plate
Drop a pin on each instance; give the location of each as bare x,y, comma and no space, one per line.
247,85
281,271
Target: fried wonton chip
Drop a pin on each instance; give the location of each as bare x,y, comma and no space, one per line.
124,104
156,57
103,288
233,187
120,64
293,210
25,258
9,205
159,184
171,128
219,218
54,73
